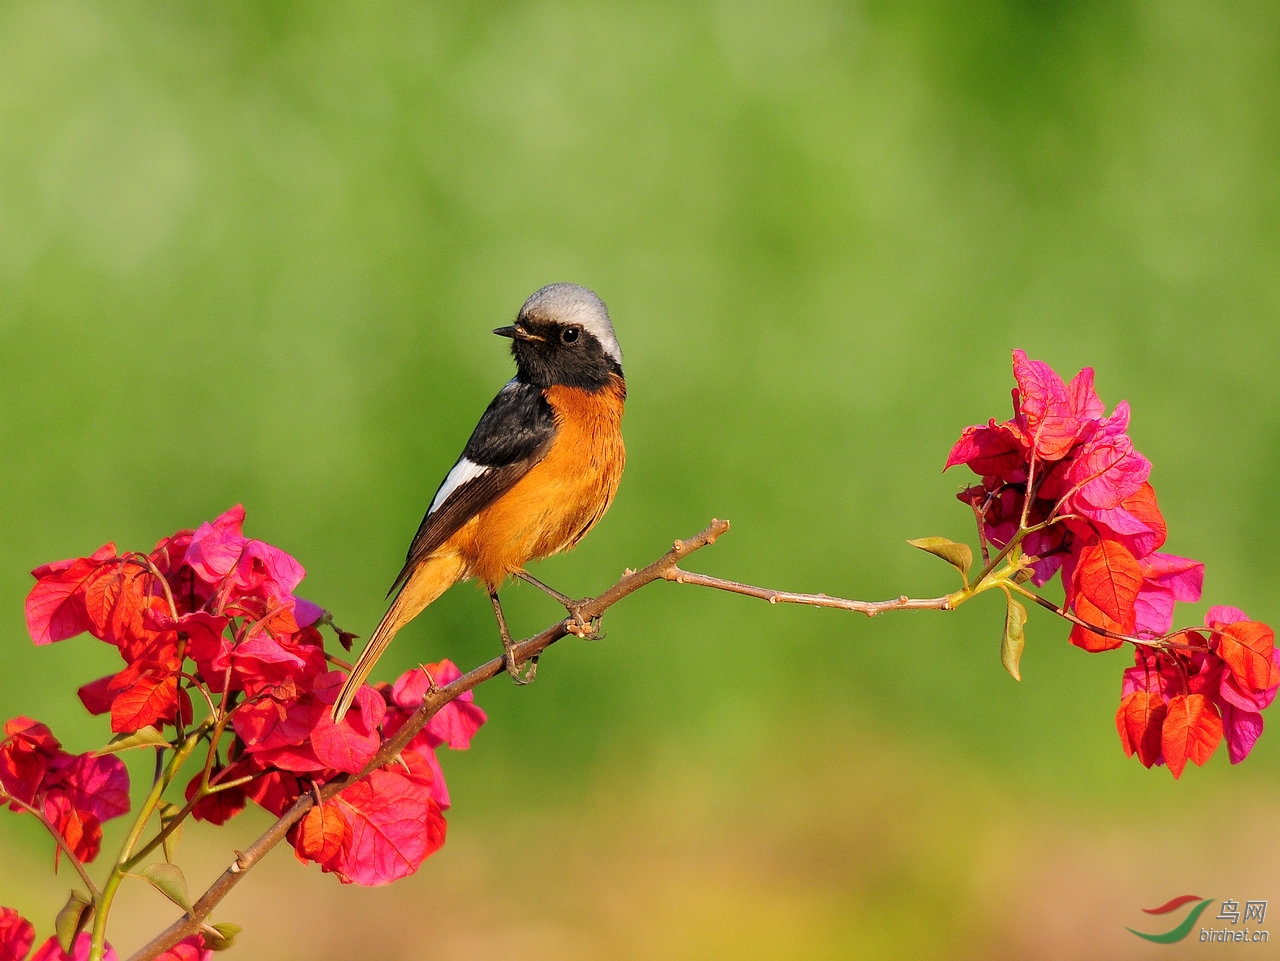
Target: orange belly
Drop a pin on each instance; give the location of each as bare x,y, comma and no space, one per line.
560,499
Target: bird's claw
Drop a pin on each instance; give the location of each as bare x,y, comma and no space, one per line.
588,630
513,666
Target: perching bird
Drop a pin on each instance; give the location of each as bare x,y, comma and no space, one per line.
540,469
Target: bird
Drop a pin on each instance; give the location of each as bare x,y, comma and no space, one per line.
540,469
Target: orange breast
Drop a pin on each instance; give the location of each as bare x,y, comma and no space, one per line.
559,500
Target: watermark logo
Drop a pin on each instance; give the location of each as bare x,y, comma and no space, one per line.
1183,929
1230,911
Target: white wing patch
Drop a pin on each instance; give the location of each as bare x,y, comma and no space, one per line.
463,472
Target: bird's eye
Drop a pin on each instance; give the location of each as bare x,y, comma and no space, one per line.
570,335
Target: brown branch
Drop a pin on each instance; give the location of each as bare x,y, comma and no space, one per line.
580,622
870,608
1077,620
436,698
1163,642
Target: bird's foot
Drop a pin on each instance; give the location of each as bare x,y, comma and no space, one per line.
586,628
513,666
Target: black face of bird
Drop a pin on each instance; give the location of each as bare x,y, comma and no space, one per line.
563,336
549,353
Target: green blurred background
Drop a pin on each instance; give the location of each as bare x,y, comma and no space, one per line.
252,253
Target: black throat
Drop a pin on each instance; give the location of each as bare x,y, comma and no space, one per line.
547,362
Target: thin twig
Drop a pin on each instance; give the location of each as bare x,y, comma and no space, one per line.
870,608
1162,642
1073,618
61,841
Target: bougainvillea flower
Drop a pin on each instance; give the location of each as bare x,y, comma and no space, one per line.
1166,578
28,751
1135,521
222,557
220,807
17,934
1106,469
1205,690
212,612
99,785
55,607
454,724
381,828
989,449
1050,415
80,948
1241,730
347,745
74,792
1065,480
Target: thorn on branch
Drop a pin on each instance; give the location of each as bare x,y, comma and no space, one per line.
432,686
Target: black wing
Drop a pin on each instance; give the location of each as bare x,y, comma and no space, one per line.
513,435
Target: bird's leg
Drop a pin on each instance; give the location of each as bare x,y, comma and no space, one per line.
508,646
582,628
568,602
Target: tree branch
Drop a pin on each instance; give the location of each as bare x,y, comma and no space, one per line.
580,622
870,608
437,697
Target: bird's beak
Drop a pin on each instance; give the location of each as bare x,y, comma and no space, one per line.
516,332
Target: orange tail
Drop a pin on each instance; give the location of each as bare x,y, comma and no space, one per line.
433,577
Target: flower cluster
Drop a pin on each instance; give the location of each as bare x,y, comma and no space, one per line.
1208,685
1063,485
211,616
75,793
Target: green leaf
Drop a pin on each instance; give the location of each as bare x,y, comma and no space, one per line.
75,914
1014,640
219,937
959,556
168,813
143,737
169,881
1025,571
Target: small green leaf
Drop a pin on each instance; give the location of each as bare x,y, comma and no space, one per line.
1014,638
168,813
959,556
169,881
143,737
75,914
1025,569
219,937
